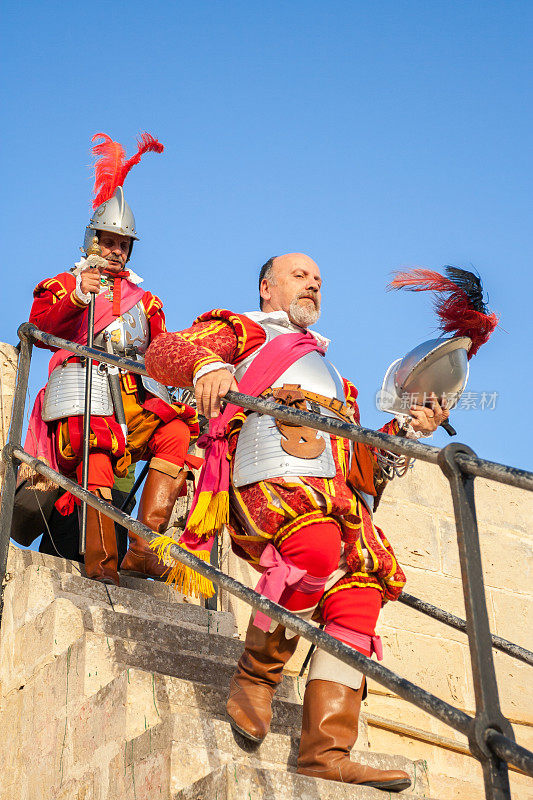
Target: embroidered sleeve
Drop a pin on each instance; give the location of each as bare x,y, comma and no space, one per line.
153,307
217,336
56,309
351,393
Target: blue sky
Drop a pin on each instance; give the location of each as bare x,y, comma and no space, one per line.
371,136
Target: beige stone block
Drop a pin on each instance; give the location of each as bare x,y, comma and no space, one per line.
507,557
28,593
438,665
39,642
515,688
513,617
146,779
504,506
451,775
424,485
382,706
440,590
413,532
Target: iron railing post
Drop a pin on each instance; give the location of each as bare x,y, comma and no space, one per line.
11,465
211,603
488,713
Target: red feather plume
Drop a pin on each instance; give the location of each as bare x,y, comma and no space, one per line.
463,311
107,169
111,168
146,144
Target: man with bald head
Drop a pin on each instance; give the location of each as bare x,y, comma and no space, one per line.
300,507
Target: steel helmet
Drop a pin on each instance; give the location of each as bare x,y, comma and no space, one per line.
439,366
111,211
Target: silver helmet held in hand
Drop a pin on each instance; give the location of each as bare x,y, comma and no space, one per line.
439,366
113,215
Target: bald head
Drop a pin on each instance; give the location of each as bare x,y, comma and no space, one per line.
291,283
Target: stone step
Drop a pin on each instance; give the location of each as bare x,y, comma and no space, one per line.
187,652
186,725
31,587
238,781
19,560
202,742
137,723
190,642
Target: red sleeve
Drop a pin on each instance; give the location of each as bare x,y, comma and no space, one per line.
219,335
153,307
55,308
351,393
391,427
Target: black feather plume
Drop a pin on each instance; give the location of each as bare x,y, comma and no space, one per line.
470,284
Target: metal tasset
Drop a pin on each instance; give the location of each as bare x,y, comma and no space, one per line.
489,733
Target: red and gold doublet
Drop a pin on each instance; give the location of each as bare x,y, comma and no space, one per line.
57,310
273,510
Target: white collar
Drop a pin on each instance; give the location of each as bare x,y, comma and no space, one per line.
132,277
282,318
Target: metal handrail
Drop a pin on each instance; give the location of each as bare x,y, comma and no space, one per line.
445,712
490,735
469,464
498,642
513,477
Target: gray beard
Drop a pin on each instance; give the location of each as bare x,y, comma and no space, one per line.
303,315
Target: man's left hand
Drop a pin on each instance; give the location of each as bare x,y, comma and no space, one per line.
426,419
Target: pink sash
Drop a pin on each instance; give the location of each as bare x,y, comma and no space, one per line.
40,439
210,507
103,316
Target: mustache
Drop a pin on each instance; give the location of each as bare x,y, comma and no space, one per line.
308,294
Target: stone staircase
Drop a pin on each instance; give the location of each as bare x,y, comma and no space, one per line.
112,693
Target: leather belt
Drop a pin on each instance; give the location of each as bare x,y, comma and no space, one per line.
332,403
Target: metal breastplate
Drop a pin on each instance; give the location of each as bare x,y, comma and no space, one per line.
259,454
65,393
130,333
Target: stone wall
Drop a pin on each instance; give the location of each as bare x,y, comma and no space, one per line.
416,514
8,374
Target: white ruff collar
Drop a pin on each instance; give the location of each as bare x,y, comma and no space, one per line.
281,318
132,277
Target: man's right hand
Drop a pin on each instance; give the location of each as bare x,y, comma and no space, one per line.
210,388
90,280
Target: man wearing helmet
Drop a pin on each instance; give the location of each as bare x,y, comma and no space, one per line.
300,506
136,422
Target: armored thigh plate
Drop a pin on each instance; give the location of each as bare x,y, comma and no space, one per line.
154,387
65,393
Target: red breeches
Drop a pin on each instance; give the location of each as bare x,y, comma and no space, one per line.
356,609
169,443
317,549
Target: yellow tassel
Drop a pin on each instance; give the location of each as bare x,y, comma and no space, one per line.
210,513
183,578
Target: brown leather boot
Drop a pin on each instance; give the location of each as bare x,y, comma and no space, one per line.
157,501
101,555
259,672
329,731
